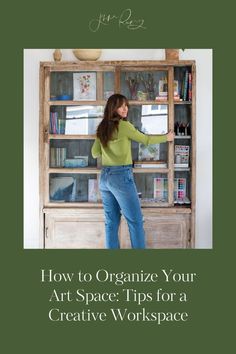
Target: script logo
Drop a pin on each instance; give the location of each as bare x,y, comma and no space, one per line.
123,20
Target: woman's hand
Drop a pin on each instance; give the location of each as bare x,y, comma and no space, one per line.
170,136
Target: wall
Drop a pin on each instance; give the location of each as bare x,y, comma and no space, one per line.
203,58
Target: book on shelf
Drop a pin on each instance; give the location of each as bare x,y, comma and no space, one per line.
180,190
182,155
57,157
190,86
181,165
161,98
57,125
182,201
150,164
186,88
161,189
93,190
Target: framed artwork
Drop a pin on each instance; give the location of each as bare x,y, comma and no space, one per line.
84,85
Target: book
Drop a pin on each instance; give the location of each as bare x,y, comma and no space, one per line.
161,189
57,125
161,98
181,165
182,155
179,188
150,164
190,86
93,190
185,90
57,156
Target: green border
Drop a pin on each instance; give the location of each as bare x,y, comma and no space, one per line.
177,24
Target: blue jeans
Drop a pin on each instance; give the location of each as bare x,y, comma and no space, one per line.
119,195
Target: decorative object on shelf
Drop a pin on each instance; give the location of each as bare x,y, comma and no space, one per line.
142,96
163,88
160,189
149,152
172,54
182,129
57,55
62,189
84,84
133,84
149,84
87,54
76,162
182,156
57,157
107,94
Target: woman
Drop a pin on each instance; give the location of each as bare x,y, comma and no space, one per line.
117,187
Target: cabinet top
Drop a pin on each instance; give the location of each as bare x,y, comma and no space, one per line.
98,63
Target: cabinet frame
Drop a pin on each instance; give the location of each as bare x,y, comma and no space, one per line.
117,67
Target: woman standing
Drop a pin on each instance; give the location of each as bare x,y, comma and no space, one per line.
117,187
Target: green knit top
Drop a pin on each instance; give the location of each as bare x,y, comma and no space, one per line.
118,150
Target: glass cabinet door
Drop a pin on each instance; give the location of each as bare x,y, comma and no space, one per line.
81,85
74,188
145,85
75,120
152,187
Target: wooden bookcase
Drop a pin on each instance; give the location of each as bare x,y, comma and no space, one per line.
71,212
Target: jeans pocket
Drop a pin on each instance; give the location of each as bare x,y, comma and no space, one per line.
128,177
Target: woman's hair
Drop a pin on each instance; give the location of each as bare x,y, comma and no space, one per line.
111,118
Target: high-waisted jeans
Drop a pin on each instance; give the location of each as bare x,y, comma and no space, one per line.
119,195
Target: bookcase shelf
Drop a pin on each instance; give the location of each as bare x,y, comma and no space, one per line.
182,137
70,137
182,102
71,211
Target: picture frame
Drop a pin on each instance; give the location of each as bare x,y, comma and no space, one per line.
85,86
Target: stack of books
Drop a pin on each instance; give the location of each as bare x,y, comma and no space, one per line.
57,125
57,157
181,156
186,89
150,164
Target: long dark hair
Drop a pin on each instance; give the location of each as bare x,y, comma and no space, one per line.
111,118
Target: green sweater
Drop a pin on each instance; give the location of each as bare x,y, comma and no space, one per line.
118,150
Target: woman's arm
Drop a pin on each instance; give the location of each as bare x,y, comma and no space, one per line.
145,139
96,149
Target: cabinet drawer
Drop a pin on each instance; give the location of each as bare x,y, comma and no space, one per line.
81,231
162,231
